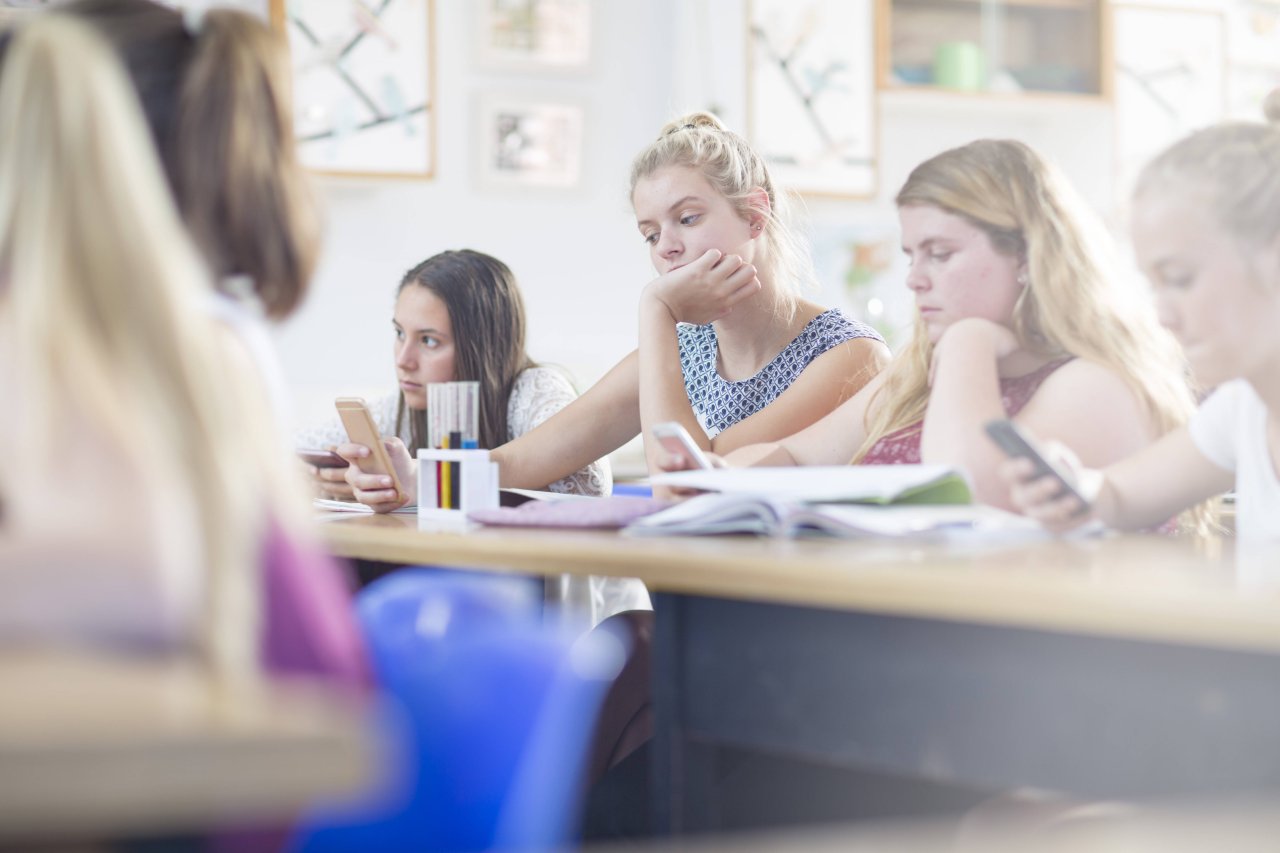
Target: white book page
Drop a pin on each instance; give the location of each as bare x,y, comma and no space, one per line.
814,483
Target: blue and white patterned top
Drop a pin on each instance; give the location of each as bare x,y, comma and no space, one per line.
719,404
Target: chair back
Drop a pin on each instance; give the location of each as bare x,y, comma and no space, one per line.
500,712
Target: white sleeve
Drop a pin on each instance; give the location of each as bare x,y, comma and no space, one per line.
539,393
331,432
1214,426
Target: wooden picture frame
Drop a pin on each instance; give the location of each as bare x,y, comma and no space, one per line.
363,86
533,35
811,94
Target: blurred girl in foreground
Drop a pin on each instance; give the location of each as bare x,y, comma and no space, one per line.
140,505
1206,230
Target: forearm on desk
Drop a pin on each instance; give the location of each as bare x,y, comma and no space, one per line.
590,428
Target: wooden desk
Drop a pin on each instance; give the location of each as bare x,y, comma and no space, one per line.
97,747
1120,667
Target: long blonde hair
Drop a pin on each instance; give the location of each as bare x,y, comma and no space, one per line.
1074,304
109,306
700,141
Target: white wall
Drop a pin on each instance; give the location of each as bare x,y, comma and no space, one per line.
577,254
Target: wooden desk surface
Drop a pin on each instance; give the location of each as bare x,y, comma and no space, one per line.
1144,587
96,747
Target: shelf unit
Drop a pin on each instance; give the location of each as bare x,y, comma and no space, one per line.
1021,48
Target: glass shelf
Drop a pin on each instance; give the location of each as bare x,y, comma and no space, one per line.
1006,47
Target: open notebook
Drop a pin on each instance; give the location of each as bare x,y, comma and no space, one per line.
872,484
732,513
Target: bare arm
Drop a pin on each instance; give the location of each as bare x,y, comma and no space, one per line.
604,418
1082,405
700,292
831,440
1137,493
829,380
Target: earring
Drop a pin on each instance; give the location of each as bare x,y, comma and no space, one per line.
1022,278
759,227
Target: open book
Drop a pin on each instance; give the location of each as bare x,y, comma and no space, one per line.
872,484
741,513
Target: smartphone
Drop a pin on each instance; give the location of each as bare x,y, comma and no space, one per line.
675,439
321,458
1015,443
361,429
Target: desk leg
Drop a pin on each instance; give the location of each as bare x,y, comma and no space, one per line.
667,756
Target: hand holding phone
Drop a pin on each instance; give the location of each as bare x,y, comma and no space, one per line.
675,439
1016,444
361,429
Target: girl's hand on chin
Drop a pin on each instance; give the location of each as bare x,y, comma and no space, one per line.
705,289
974,337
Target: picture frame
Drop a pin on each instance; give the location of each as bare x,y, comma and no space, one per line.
363,86
533,35
529,142
1170,78
811,108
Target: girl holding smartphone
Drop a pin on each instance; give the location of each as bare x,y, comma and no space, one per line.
1206,231
458,316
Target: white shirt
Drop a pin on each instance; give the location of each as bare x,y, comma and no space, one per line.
1230,429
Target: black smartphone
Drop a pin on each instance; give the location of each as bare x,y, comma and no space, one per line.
1015,444
321,458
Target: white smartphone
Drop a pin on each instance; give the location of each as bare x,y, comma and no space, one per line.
676,440
361,430
1015,443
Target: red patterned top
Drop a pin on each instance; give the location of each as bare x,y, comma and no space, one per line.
903,447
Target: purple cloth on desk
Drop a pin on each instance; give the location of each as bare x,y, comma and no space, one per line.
607,513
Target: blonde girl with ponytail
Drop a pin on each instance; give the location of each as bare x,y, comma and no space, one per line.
1206,231
729,347
1021,314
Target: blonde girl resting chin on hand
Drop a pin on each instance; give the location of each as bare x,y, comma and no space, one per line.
1206,231
727,346
1019,315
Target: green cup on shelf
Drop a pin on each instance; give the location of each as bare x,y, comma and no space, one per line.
959,65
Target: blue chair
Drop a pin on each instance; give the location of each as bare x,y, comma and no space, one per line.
500,713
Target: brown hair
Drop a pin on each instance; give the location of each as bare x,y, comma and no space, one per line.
488,320
217,102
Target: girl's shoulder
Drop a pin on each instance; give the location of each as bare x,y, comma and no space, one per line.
833,326
536,387
1075,381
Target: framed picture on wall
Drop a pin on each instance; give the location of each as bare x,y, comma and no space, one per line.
1170,78
363,85
527,142
811,93
533,35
